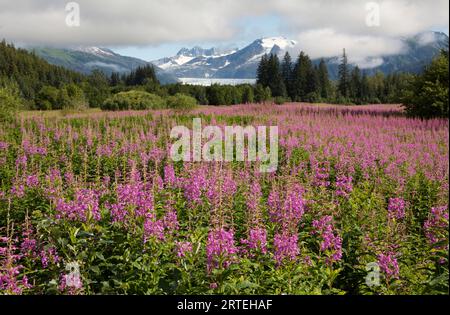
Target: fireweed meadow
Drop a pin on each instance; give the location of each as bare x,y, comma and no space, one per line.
357,205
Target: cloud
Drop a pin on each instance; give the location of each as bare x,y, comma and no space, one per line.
397,17
426,38
121,22
322,27
361,49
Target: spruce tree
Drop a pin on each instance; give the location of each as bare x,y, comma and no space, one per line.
324,81
344,77
276,83
303,78
355,85
262,71
286,73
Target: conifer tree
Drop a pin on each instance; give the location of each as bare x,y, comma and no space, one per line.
286,73
355,85
324,81
303,82
276,83
344,77
262,71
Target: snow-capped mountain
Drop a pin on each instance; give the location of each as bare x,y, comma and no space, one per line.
87,59
236,63
186,55
95,51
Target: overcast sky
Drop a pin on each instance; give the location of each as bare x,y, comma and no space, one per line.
150,29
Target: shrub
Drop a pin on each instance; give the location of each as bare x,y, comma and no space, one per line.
133,100
428,95
279,100
181,102
71,97
47,98
10,102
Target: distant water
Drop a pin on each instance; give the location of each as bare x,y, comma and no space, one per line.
211,81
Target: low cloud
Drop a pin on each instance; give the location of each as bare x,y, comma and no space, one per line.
363,50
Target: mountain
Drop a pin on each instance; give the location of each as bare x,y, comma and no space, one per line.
86,59
185,55
212,63
242,63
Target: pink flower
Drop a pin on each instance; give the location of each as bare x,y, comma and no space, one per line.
389,265
436,228
257,240
396,208
153,228
183,248
220,249
286,247
331,242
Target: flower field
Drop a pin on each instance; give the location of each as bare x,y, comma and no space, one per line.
93,204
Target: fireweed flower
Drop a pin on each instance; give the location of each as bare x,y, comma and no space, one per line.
69,178
170,179
344,186
396,208
436,227
288,212
3,145
254,197
321,174
193,187
85,205
18,191
331,242
21,161
274,205
294,205
229,186
170,221
220,249
183,248
389,265
28,246
153,229
286,247
32,181
134,199
256,241
49,255
10,267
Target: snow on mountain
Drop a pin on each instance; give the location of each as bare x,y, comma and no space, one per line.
96,51
283,43
195,54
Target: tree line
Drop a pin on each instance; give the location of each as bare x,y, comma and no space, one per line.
305,81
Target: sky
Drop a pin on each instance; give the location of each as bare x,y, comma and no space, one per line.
151,29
